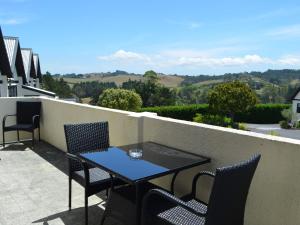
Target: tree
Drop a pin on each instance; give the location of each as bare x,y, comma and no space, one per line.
120,99
231,98
151,76
91,89
59,87
152,94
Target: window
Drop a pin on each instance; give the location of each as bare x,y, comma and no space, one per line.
298,107
12,91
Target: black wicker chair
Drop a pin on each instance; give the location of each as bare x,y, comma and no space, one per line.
81,138
226,204
27,119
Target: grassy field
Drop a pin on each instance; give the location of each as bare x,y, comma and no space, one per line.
168,81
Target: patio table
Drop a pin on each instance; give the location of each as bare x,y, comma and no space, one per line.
150,161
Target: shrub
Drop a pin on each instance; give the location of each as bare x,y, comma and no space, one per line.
284,124
287,114
120,99
273,133
184,112
242,126
231,98
213,120
261,113
297,124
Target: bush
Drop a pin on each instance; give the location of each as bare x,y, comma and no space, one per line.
261,113
284,124
242,126
214,120
120,99
287,114
296,124
185,112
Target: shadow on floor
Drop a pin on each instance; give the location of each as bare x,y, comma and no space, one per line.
16,146
74,217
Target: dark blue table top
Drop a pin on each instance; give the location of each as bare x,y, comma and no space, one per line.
156,160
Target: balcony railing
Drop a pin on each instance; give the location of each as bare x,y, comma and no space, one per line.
274,196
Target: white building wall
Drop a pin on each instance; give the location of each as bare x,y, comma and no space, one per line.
296,100
19,86
3,86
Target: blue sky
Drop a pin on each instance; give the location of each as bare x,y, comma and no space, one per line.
170,36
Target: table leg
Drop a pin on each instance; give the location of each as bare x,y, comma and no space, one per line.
138,203
173,182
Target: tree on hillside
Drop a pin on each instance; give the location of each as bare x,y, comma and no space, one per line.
91,89
152,94
231,98
151,76
120,99
59,87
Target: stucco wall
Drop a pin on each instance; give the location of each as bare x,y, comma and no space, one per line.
123,126
274,196
8,106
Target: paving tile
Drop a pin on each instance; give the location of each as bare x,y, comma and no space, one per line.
34,189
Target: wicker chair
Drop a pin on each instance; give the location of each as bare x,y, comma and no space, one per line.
226,203
85,138
27,118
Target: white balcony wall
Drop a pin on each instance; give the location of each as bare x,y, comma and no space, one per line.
8,106
123,126
274,196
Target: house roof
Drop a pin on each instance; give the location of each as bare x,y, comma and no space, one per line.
13,49
295,94
37,66
27,56
5,68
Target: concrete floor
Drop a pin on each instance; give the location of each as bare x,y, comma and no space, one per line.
34,189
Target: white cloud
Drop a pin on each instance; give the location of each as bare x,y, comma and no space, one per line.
12,21
290,60
186,24
222,61
125,56
197,59
286,32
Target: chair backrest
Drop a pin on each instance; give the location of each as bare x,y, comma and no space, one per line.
229,193
26,110
86,137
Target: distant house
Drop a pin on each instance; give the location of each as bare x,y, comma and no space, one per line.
20,71
296,105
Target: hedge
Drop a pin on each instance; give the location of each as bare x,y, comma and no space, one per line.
184,112
261,113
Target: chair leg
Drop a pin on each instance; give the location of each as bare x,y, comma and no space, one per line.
106,193
32,138
18,134
39,134
86,207
103,217
70,193
3,136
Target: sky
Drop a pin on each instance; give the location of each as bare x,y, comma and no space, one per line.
189,37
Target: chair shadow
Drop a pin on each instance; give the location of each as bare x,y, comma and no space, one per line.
74,217
18,146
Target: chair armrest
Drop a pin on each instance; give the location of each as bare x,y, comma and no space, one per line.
4,119
165,196
198,175
83,163
36,120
